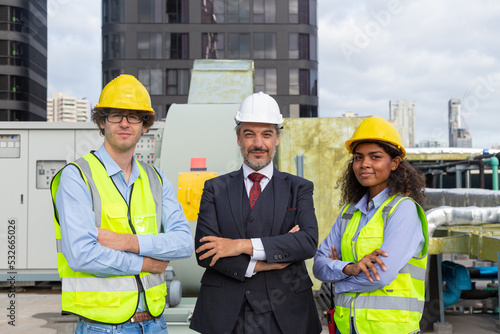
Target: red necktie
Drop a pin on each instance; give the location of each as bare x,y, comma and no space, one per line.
255,190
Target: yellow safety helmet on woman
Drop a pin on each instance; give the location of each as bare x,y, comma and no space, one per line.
376,129
125,92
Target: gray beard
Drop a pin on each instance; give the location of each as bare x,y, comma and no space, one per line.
257,166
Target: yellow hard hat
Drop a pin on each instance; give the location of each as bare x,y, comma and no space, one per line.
125,92
376,129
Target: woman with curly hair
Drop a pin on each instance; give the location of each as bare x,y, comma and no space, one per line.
376,252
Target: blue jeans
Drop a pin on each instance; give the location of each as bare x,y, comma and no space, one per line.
146,327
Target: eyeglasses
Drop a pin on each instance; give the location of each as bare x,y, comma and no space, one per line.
131,118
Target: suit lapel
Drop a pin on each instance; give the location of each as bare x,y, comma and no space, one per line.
235,192
281,194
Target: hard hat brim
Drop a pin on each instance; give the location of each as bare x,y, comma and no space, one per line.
351,143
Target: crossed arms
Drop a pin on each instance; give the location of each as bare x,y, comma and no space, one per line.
104,253
218,246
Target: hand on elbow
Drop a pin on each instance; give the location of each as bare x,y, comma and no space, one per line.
367,266
154,266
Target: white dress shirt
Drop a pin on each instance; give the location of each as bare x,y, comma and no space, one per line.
258,249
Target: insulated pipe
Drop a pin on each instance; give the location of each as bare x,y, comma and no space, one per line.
493,161
461,197
483,272
450,216
457,278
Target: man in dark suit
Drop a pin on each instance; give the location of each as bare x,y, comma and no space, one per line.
256,226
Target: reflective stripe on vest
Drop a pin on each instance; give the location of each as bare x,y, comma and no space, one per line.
73,284
113,300
379,302
415,271
156,190
396,308
152,280
110,284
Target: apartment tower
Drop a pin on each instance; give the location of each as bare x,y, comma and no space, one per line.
158,40
402,116
64,108
23,60
459,135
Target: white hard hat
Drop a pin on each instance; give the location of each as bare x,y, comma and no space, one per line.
259,108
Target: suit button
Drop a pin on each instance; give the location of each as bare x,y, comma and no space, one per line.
247,292
251,219
280,256
276,257
235,274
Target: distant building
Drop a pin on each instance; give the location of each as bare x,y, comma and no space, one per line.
402,116
64,108
23,60
431,142
158,41
459,135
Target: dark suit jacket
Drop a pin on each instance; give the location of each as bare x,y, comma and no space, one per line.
286,292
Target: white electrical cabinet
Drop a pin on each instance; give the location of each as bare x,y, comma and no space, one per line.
31,153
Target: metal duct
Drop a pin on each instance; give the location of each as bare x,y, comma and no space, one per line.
461,197
447,215
461,207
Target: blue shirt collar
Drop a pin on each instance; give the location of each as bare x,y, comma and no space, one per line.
375,203
112,168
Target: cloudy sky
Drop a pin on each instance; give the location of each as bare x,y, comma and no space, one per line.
370,52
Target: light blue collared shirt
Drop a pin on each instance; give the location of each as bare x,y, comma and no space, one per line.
79,232
403,239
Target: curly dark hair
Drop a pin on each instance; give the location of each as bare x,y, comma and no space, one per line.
405,180
98,116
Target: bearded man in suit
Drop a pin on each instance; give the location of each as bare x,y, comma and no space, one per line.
256,227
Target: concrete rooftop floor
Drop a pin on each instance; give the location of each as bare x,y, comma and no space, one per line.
38,311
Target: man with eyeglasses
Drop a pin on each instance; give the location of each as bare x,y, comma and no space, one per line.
117,222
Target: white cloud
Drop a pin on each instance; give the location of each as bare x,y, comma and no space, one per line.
424,51
74,48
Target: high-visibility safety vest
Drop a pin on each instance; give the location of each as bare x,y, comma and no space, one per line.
113,299
395,308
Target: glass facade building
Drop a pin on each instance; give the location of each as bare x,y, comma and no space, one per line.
23,60
158,41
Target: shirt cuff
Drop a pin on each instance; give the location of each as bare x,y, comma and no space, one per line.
251,267
136,264
258,250
338,267
145,244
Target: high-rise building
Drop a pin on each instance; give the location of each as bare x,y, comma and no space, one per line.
431,142
158,41
459,135
402,116
23,60
64,108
